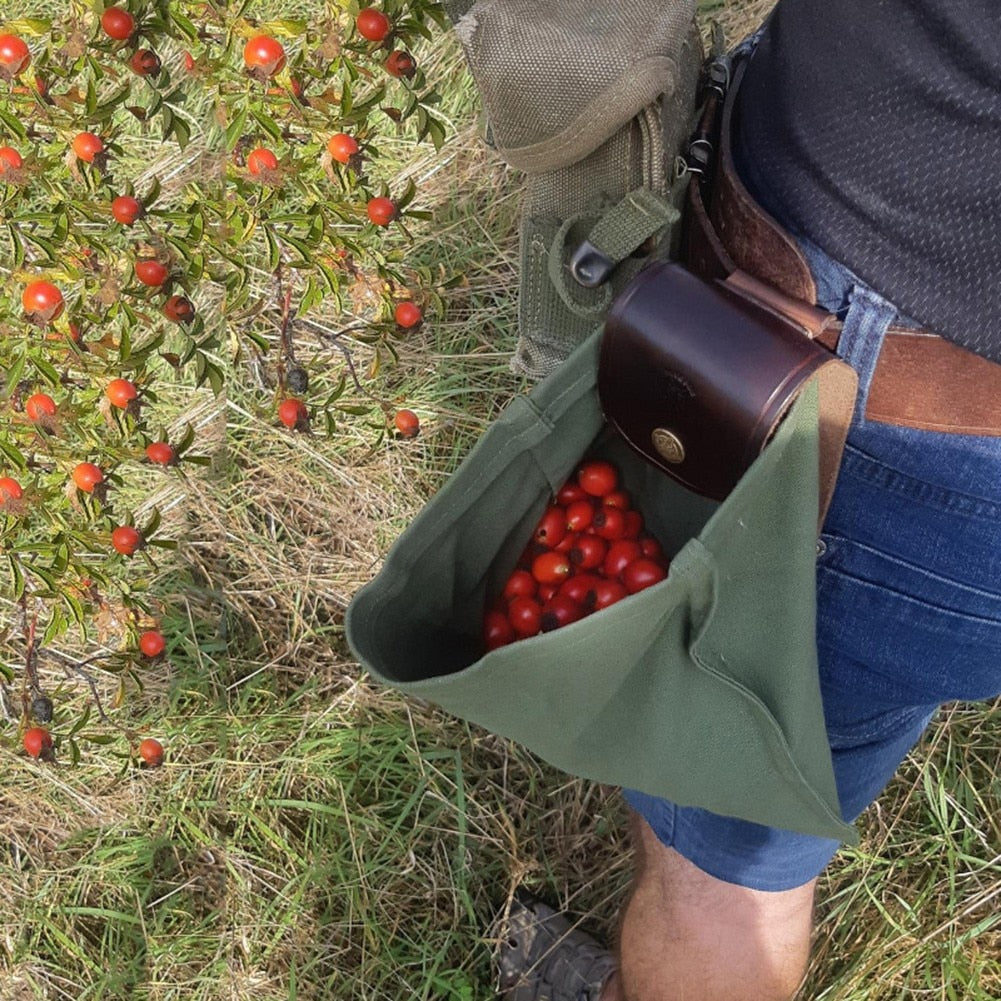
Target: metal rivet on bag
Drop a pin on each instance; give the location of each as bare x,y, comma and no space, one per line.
668,445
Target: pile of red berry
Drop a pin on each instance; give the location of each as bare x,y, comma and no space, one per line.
589,550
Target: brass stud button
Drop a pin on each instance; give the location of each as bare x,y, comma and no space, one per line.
668,446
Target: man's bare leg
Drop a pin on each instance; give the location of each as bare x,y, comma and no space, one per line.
686,936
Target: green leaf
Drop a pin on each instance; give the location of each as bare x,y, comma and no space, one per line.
81,722
306,249
34,26
196,229
46,369
313,296
14,374
168,122
434,131
13,123
107,107
153,194
46,246
216,378
236,129
76,608
274,248
125,344
18,245
187,439
17,575
186,27
408,195
268,124
285,26
152,525
181,131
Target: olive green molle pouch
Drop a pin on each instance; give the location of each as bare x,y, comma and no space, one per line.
592,102
703,688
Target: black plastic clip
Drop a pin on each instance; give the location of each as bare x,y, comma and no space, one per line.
589,266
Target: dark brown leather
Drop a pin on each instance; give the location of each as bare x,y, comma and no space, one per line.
696,377
756,242
921,380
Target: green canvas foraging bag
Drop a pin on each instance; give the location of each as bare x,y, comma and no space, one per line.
702,688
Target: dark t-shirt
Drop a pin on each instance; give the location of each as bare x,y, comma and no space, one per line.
874,128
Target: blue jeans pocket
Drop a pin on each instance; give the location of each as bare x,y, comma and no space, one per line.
923,637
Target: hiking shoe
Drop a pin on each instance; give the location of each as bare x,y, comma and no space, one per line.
544,958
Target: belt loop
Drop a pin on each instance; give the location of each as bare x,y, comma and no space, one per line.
866,323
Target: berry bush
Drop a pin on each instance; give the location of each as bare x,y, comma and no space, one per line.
190,196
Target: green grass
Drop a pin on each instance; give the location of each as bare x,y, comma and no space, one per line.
314,836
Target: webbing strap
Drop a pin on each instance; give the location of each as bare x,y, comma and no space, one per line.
631,223
616,234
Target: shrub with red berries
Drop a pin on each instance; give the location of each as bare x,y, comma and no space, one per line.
184,191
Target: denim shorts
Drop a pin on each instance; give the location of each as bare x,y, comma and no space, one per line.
909,607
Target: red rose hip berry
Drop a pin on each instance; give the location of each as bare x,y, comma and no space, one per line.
552,527
641,574
14,56
42,301
551,568
620,554
588,553
609,523
179,308
87,146
497,631
597,477
264,56
381,211
161,453
118,23
261,161
145,62
39,406
373,24
560,611
521,584
151,273
126,209
400,64
10,490
408,424
86,476
608,592
152,643
407,315
342,147
151,751
37,742
121,392
293,413
127,540
10,159
525,616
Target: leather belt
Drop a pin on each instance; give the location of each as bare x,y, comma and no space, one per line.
921,379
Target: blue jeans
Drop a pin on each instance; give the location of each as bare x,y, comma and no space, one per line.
909,607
